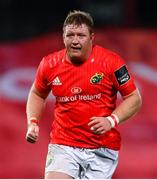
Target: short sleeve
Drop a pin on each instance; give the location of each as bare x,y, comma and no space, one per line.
121,76
41,82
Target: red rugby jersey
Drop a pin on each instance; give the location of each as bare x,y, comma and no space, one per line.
83,91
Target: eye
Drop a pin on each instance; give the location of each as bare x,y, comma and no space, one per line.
69,35
81,35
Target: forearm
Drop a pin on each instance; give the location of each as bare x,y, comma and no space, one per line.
128,107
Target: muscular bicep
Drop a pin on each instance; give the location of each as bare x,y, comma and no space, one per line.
43,94
130,105
35,103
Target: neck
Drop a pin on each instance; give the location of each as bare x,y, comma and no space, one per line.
79,60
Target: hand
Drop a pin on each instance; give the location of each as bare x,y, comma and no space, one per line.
99,125
32,133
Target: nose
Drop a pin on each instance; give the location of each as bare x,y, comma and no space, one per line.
75,40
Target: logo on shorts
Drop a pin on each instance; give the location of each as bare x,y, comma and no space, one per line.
96,78
49,160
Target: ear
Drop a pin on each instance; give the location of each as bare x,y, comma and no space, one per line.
92,36
63,37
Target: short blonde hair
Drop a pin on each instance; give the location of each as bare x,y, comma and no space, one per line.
77,17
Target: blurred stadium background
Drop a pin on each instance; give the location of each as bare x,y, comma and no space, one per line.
31,29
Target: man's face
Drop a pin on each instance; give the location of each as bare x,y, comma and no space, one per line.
78,42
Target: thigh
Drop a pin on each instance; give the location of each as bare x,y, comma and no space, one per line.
103,164
60,163
57,175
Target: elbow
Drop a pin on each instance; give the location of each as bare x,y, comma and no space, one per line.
138,103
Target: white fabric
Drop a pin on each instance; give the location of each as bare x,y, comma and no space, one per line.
81,163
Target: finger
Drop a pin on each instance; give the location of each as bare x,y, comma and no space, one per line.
92,118
30,140
103,132
95,127
34,131
99,130
92,122
33,136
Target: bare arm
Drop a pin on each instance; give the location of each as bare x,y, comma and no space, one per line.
35,104
129,106
34,110
126,109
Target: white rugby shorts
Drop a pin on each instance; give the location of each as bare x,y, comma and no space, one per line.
81,163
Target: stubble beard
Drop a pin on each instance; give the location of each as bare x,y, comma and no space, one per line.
77,60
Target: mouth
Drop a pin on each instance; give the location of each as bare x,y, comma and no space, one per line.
75,49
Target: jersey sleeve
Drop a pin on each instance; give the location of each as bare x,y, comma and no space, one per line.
41,77
121,76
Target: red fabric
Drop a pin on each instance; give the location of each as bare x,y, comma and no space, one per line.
73,110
